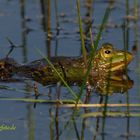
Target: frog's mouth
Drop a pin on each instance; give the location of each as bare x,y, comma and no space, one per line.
118,66
120,63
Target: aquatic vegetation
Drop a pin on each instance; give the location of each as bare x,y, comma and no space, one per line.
72,108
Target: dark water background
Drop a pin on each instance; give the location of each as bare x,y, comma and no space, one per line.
26,28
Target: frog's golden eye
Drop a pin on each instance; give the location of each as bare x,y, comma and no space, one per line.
107,51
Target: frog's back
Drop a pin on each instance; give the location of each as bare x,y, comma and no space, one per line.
37,64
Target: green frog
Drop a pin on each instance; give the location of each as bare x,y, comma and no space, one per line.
107,60
108,63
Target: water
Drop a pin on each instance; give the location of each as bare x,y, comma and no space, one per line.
47,121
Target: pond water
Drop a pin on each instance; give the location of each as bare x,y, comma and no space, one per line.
51,27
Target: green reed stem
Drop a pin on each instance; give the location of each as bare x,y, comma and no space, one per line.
126,26
38,100
90,65
106,100
81,32
136,9
110,114
61,78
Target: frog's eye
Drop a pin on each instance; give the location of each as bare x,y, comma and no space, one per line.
107,51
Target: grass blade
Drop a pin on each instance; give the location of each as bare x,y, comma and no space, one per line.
90,65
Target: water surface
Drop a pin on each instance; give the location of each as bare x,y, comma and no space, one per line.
30,28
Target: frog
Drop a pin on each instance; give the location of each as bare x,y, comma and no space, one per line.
106,61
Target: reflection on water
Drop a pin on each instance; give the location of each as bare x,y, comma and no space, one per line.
51,26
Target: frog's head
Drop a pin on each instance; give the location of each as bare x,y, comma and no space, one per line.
112,59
